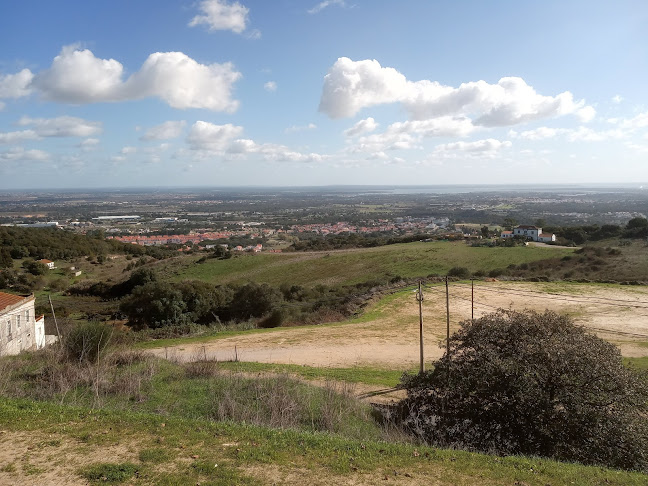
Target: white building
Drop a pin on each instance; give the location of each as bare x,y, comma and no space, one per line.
20,329
533,233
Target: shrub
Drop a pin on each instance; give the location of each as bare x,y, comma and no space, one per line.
459,272
275,319
87,341
534,384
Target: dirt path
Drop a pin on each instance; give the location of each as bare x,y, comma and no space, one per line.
391,340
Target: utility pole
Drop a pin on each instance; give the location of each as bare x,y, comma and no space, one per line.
447,319
472,299
58,334
419,299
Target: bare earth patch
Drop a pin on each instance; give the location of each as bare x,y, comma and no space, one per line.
38,458
391,340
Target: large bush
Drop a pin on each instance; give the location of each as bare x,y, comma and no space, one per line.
531,383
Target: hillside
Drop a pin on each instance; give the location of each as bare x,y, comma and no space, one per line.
348,267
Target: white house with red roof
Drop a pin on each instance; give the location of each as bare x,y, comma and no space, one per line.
20,328
48,263
533,233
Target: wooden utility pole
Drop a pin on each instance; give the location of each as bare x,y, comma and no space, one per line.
472,299
447,319
58,334
419,299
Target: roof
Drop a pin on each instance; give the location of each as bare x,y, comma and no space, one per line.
10,300
546,235
523,226
45,261
507,232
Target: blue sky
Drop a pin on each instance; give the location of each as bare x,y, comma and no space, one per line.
301,92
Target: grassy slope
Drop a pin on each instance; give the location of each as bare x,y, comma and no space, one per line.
350,267
175,451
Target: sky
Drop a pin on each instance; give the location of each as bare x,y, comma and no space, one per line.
174,93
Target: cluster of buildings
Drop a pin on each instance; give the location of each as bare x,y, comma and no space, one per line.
20,328
378,226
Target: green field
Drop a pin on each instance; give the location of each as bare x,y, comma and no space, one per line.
151,449
405,260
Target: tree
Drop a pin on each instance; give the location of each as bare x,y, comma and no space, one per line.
34,267
254,300
531,383
485,231
5,258
509,223
155,304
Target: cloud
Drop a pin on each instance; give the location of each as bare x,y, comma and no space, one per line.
363,126
326,3
220,15
270,86
128,150
539,133
634,123
16,85
617,99
271,152
488,148
15,137
164,131
77,76
444,126
20,154
349,86
300,128
209,140
584,134
212,138
88,144
62,126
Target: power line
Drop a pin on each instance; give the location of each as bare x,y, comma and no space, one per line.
552,296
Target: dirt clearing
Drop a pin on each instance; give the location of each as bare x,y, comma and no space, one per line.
390,338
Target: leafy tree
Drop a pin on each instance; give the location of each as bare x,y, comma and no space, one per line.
637,228
34,267
531,383
485,231
5,258
254,300
155,304
509,223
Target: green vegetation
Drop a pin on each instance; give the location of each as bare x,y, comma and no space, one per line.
109,473
409,260
535,384
357,374
228,453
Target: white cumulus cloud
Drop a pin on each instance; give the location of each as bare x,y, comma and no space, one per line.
62,126
221,15
77,76
488,148
164,131
349,86
213,138
20,154
16,85
18,136
270,86
363,126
